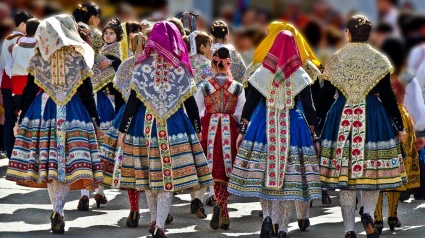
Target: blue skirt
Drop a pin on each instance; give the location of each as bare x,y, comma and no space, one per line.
35,157
302,180
106,111
383,168
142,172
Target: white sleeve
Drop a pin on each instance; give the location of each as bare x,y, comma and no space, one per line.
414,102
240,104
199,98
414,58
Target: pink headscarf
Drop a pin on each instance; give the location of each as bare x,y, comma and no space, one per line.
165,39
284,57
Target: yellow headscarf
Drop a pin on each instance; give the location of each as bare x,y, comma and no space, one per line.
124,44
276,27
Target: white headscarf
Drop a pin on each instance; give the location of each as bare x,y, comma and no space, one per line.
58,31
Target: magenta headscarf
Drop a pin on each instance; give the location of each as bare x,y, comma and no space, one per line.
165,39
283,58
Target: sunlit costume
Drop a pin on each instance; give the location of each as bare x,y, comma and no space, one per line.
56,146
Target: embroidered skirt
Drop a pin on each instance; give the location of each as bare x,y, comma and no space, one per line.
383,167
219,134
42,153
141,171
302,179
106,111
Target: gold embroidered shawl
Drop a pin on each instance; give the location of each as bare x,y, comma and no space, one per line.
101,76
356,69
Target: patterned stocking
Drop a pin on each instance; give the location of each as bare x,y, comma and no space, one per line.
285,210
393,203
221,196
370,199
133,197
58,192
151,199
347,199
378,209
198,194
266,205
163,208
303,209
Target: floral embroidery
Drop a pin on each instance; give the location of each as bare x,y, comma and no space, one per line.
164,89
116,179
353,120
202,66
102,77
225,133
123,77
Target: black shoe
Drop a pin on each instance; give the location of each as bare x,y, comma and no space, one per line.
275,230
83,204
361,211
393,222
58,223
151,228
303,224
158,233
133,219
283,234
366,221
215,220
379,226
196,207
260,213
100,199
404,196
169,219
326,199
266,228
350,234
225,227
211,201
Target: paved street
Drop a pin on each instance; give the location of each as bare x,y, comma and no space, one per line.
24,212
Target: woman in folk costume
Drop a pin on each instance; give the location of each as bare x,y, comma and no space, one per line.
60,121
189,20
220,33
310,62
222,99
130,28
276,160
199,44
360,149
394,49
155,131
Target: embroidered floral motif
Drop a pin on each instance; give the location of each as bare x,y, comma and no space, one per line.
123,77
116,179
164,89
225,134
202,66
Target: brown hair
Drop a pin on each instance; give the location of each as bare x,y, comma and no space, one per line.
201,39
132,27
178,24
360,28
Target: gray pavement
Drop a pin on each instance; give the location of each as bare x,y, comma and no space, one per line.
24,212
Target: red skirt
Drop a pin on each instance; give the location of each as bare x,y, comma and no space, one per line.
218,165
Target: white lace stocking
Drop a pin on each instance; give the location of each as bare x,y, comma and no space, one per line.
151,199
303,209
200,194
347,199
285,210
58,192
266,205
369,200
163,208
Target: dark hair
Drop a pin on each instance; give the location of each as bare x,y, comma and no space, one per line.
313,33
178,24
84,32
222,53
32,25
22,17
85,11
396,52
384,27
219,29
133,27
114,25
254,33
359,27
186,31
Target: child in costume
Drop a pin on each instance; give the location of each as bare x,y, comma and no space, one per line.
222,99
